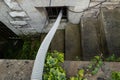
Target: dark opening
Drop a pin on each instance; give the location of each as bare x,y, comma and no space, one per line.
5,32
9,42
54,11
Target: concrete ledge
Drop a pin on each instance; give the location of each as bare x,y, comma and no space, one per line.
72,67
15,69
21,69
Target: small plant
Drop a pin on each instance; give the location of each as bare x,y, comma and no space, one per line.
95,65
54,71
29,48
115,75
77,58
113,58
80,75
91,69
52,67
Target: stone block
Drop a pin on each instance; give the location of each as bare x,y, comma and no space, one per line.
18,26
12,4
18,23
18,14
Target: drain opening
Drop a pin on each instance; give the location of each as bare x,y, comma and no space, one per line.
54,11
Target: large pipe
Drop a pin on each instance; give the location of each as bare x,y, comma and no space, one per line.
41,55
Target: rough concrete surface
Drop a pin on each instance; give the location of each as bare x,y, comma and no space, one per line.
15,69
72,68
72,42
89,38
58,41
21,69
111,24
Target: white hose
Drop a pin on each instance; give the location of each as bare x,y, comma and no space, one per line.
41,55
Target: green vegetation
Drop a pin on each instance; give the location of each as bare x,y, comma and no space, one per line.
24,48
115,75
29,48
113,58
52,67
91,69
54,71
95,65
80,75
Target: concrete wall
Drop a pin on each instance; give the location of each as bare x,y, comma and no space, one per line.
28,16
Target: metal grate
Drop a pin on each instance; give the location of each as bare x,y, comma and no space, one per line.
54,11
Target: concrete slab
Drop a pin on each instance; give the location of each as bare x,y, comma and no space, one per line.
72,42
21,69
58,41
72,68
15,69
89,38
111,24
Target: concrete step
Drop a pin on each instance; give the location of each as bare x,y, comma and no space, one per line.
111,24
21,69
72,41
89,37
58,41
72,67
